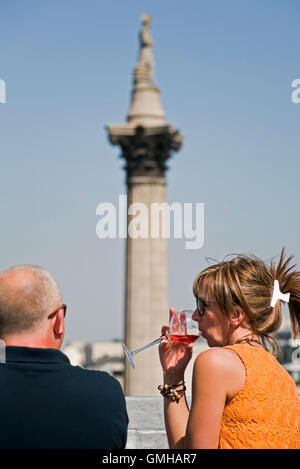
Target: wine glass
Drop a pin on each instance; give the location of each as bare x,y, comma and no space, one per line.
183,329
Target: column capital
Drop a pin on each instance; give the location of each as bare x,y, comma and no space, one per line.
146,150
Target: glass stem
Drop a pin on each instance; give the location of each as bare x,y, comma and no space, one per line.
157,341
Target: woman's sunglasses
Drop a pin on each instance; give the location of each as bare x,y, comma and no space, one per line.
201,305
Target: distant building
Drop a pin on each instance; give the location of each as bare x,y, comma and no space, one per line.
289,354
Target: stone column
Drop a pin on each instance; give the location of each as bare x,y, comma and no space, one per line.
146,142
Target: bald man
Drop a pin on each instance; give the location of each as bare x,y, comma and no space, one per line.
45,402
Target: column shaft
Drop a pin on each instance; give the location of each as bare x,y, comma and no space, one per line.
146,292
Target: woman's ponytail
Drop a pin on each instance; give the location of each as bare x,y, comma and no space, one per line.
289,282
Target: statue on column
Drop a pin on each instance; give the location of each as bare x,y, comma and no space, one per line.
144,70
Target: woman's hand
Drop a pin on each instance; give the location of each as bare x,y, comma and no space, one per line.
174,357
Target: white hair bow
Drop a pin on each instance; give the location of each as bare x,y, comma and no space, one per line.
278,295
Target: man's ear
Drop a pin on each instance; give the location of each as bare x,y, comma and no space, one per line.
237,316
58,326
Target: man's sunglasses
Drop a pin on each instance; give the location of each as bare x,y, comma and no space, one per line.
63,306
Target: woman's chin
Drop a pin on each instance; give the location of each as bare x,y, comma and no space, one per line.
212,343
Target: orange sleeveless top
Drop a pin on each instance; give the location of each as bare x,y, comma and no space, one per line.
266,412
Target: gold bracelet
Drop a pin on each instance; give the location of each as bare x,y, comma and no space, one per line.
169,391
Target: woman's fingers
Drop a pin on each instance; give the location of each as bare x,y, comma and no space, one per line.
165,329
164,336
183,322
172,312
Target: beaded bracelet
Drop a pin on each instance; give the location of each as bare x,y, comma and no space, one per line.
169,391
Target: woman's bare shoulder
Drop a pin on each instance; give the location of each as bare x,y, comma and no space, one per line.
221,367
216,354
220,359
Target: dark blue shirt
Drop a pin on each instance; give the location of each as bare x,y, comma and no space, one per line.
45,402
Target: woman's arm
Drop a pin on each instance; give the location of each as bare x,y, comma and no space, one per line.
200,427
174,359
209,394
176,417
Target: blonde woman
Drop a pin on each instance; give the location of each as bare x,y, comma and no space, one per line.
241,396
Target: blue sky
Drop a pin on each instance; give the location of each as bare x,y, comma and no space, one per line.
224,69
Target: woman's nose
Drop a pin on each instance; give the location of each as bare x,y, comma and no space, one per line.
195,316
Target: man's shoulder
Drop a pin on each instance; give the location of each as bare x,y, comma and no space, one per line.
94,388
94,377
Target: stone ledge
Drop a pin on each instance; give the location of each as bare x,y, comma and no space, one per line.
146,428
156,439
146,423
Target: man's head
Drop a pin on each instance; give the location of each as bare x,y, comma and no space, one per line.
29,296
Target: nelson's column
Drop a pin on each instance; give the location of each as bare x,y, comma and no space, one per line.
146,142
